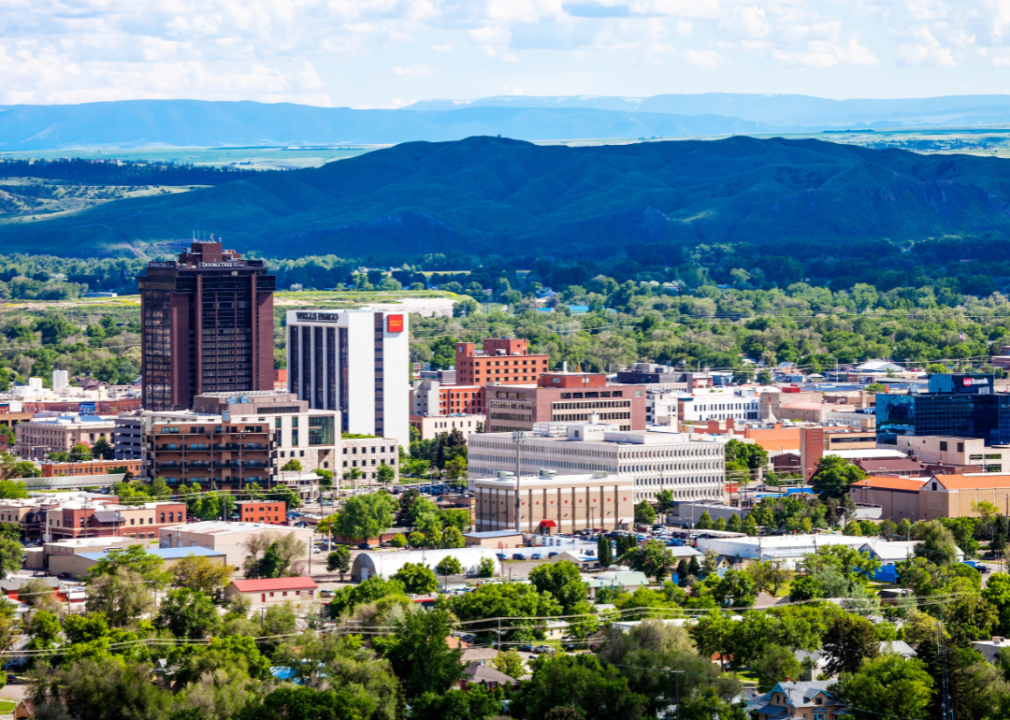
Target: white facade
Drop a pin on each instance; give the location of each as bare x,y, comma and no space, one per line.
788,548
354,361
661,405
692,467
721,404
61,378
387,564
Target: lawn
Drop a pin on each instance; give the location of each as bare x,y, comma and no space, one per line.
7,706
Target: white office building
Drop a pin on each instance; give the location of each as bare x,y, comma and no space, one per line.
354,361
721,404
693,467
61,379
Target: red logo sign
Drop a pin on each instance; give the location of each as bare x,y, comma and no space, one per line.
394,323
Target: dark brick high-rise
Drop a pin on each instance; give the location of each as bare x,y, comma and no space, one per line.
208,326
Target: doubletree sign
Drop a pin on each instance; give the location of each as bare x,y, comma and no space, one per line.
394,323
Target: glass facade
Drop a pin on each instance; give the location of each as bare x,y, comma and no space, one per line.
975,416
956,406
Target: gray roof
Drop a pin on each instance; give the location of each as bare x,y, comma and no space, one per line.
492,534
801,694
483,674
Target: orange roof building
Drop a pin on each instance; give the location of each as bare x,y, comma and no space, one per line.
898,497
933,497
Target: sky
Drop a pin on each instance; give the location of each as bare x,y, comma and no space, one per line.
389,53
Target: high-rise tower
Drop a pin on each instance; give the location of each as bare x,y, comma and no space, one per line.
208,326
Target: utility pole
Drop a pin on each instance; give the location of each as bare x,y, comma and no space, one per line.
518,437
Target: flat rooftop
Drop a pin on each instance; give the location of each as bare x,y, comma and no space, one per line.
165,553
217,527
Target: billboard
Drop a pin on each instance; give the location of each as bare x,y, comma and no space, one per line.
394,323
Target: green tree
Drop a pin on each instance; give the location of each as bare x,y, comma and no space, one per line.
200,574
102,450
654,559
997,593
577,681
848,641
452,539
486,568
14,489
833,477
735,589
734,524
43,627
399,541
366,516
364,593
509,662
887,687
419,654
292,465
188,614
935,543
476,703
80,453
448,566
416,579
775,665
10,556
490,601
704,522
769,575
339,560
385,473
563,581
644,513
273,555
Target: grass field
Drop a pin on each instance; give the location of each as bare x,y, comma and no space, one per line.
7,706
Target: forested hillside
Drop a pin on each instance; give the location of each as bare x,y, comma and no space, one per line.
513,198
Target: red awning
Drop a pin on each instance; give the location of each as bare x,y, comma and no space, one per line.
548,523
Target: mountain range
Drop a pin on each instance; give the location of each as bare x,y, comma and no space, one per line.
194,123
485,195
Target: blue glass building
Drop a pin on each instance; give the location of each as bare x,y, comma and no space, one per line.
955,406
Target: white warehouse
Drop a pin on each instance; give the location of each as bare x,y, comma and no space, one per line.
387,564
693,467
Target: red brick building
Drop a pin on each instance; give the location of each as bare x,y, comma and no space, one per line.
503,360
91,467
269,512
92,519
465,399
565,397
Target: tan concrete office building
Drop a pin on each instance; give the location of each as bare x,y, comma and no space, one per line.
952,495
898,497
226,537
551,503
957,452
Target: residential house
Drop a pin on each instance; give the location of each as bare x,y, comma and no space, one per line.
807,700
491,679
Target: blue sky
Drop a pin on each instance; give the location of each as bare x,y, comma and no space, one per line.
387,53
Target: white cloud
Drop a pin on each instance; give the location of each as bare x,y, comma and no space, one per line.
704,58
365,51
413,71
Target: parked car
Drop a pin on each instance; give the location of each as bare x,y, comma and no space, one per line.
364,546
982,568
518,556
525,648
536,556
63,576
551,554
502,556
543,649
